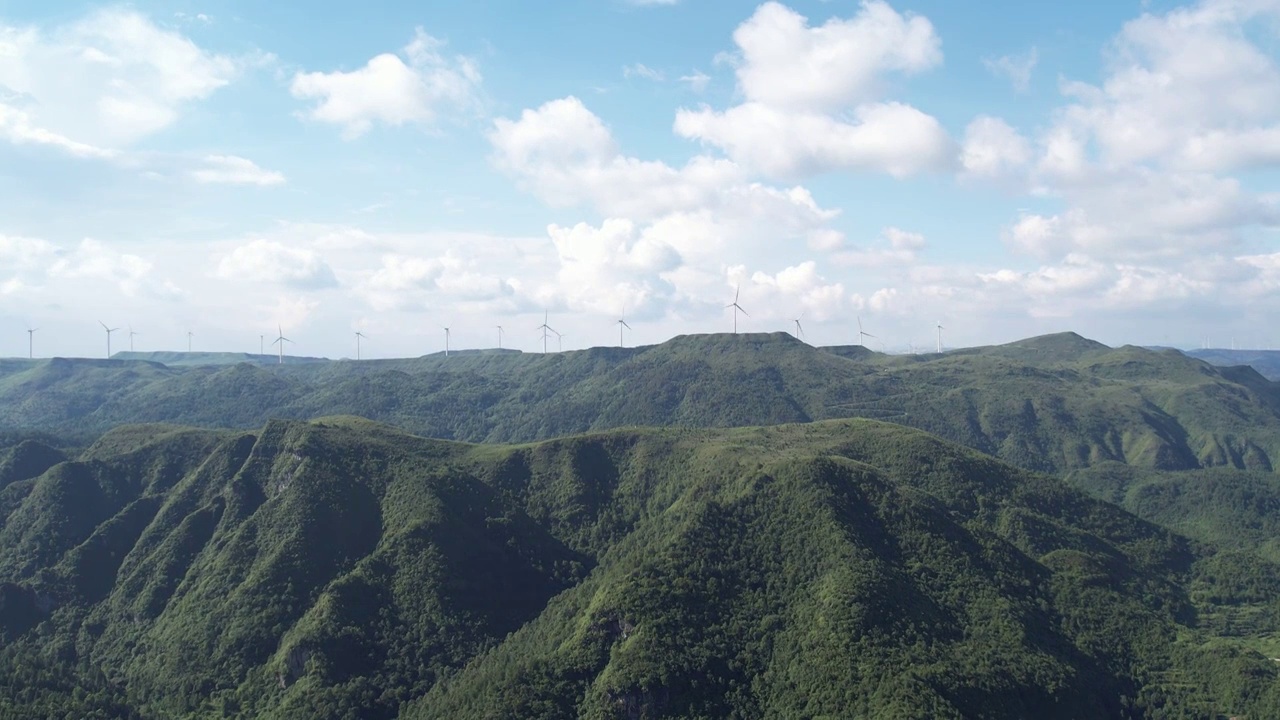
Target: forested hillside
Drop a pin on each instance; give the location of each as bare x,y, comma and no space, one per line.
1052,403
341,568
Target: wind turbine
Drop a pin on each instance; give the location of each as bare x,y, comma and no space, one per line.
189,336
799,329
622,323
359,335
31,342
940,329
109,331
736,309
499,336
262,348
862,334
446,341
559,341
544,327
281,341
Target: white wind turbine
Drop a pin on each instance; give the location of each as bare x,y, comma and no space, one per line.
799,328
31,343
862,334
446,341
109,331
189,336
499,336
359,336
281,340
131,334
940,329
736,308
544,327
622,323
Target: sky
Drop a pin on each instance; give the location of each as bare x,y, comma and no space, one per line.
237,169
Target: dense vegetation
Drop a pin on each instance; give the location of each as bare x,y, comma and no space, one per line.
180,539
1053,403
341,568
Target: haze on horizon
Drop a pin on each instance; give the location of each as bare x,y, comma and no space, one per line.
1010,170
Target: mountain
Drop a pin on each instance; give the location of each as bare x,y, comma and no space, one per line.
1266,362
1052,403
341,568
195,359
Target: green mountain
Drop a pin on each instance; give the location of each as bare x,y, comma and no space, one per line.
181,359
1266,362
1052,403
342,568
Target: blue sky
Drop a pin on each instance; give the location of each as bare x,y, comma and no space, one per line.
1007,169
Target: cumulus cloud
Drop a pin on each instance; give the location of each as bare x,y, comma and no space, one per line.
813,95
668,232
1144,162
130,273
994,149
99,84
413,87
264,261
799,288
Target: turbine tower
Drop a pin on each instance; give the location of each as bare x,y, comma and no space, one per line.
499,336
31,342
359,335
736,309
446,341
544,327
622,323
109,331
189,336
281,341
940,329
799,328
862,334
559,341
262,348
131,334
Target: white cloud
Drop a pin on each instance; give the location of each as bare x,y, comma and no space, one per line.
891,137
787,64
264,261
99,84
670,231
1016,68
413,282
641,70
563,153
234,170
390,90
799,289
696,80
893,247
1143,161
993,149
812,95
130,273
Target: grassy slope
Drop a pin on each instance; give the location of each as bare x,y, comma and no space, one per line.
341,568
1052,403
